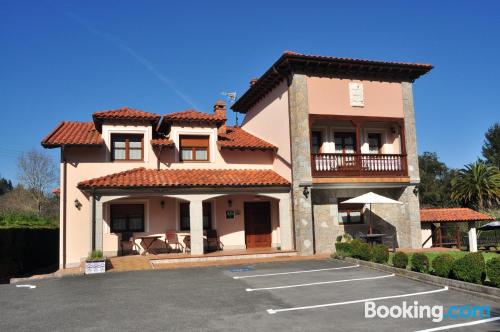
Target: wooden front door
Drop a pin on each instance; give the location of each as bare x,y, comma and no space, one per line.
258,224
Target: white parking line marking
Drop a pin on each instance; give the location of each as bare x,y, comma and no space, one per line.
448,327
294,272
274,311
26,286
318,283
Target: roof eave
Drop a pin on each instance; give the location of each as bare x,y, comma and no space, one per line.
297,63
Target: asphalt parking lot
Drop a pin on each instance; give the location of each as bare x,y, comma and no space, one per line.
324,295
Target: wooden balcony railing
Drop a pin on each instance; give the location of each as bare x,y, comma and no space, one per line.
338,164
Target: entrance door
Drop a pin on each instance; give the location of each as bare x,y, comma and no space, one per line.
258,224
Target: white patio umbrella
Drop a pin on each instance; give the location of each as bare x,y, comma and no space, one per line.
370,198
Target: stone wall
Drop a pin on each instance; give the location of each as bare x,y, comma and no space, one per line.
386,218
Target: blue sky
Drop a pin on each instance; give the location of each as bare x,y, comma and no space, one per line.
63,60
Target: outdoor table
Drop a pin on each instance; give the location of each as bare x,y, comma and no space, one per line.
148,242
373,238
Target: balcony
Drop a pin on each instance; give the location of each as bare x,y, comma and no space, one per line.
354,165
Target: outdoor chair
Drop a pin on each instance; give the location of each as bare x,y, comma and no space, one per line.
213,240
172,240
125,239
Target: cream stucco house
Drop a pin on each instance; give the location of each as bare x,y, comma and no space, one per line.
317,130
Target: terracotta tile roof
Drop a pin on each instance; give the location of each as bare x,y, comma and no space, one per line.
237,138
165,142
192,115
452,215
126,113
142,177
73,133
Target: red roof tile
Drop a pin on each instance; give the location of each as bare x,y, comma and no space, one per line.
192,115
126,113
73,133
452,215
141,177
237,138
165,142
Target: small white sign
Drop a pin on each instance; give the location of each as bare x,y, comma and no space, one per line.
356,94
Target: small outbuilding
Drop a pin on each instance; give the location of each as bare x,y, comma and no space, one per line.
443,227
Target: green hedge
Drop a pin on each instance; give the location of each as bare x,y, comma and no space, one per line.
420,262
343,249
380,254
443,264
493,271
400,259
470,268
25,220
361,250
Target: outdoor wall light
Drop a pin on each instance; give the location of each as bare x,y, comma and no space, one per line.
162,204
78,205
415,190
306,192
229,203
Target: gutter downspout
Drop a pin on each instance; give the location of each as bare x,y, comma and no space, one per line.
65,167
93,219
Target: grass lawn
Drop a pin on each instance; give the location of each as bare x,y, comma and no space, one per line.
456,254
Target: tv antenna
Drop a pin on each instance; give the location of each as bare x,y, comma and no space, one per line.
231,97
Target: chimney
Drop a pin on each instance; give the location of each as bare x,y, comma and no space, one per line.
253,81
220,111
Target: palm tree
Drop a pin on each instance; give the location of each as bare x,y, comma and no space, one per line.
477,184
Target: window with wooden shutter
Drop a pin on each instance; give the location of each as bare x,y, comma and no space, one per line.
194,148
127,147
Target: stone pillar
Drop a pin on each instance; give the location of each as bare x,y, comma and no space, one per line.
413,234
408,229
472,237
410,132
286,237
196,226
301,163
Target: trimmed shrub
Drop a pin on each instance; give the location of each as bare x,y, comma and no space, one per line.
420,262
400,259
343,249
380,254
442,265
361,250
493,271
470,268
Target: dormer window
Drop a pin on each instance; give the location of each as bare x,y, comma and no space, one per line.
129,147
194,148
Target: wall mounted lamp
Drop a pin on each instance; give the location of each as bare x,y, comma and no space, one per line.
306,192
78,205
162,204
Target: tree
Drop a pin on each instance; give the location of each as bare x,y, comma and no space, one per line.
5,186
491,146
477,184
435,181
37,172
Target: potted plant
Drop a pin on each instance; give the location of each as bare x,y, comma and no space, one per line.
95,263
